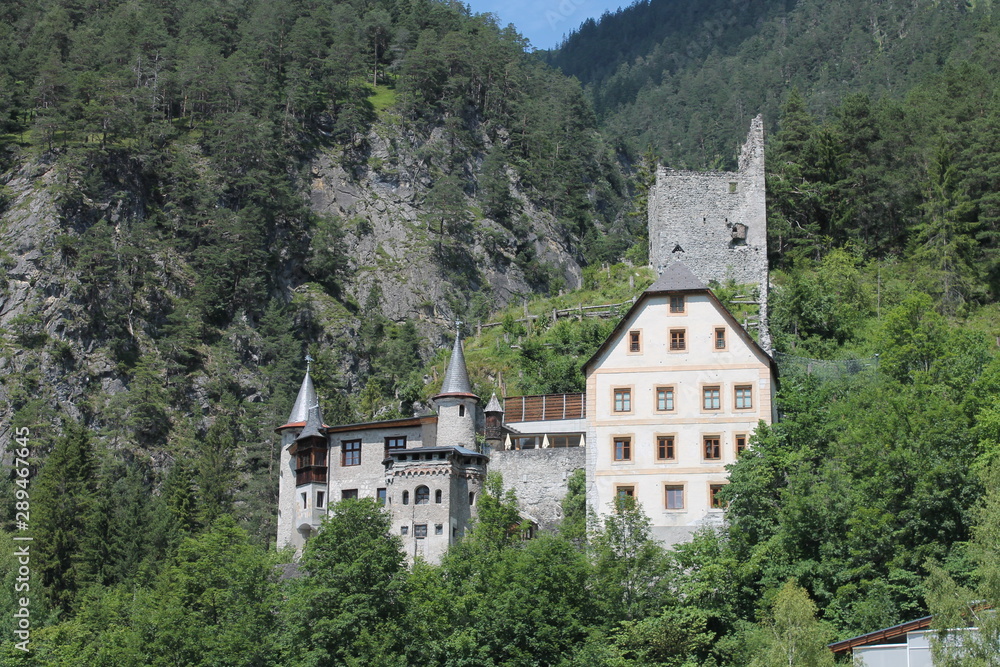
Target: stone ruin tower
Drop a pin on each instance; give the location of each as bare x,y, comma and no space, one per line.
715,223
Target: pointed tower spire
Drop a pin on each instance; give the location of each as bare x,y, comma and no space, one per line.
456,379
456,404
305,400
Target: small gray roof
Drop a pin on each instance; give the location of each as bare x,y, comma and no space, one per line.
305,400
676,278
314,425
465,451
494,404
456,379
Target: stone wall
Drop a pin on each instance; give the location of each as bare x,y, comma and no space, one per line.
715,223
538,477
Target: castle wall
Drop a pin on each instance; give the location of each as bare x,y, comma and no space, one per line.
697,218
538,477
287,534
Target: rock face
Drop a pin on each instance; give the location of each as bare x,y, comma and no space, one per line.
56,357
36,309
389,240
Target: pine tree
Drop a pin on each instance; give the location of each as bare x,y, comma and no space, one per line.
64,492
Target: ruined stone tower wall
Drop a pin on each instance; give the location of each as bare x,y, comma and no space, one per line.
715,223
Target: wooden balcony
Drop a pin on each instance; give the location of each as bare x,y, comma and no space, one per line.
310,475
548,407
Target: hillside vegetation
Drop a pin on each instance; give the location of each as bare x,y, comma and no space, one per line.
196,194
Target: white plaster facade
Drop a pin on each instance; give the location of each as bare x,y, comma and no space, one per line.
664,419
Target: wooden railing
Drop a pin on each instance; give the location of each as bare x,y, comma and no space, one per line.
548,407
311,475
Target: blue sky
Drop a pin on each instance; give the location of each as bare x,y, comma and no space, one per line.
544,22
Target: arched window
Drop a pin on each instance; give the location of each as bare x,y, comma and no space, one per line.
406,497
437,496
422,496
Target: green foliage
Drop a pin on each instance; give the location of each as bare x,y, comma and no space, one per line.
630,566
352,589
956,606
573,526
63,492
792,635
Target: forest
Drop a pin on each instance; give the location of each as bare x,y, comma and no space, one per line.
160,157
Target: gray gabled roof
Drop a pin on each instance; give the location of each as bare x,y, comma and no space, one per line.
676,278
314,425
456,379
305,400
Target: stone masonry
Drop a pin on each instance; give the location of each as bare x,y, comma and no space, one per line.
715,223
539,477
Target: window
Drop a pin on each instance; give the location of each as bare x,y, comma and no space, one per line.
664,399
623,449
741,443
711,398
350,453
625,491
438,529
420,530
381,496
349,493
664,448
713,449
461,411
677,340
437,496
677,304
305,501
406,497
713,494
525,442
404,530
564,440
732,187
634,341
720,338
395,443
422,496
673,497
744,397
623,400
320,498
472,497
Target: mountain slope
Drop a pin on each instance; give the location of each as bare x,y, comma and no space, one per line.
687,91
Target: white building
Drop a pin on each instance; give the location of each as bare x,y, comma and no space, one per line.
673,396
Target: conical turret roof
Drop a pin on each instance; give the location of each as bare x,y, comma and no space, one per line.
493,405
456,379
305,400
314,425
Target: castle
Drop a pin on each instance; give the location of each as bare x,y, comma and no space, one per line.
672,397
